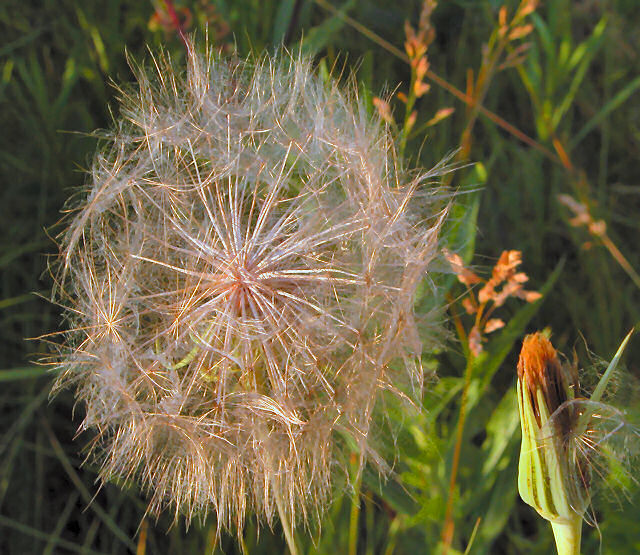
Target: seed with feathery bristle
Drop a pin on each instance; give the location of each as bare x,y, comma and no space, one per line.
240,281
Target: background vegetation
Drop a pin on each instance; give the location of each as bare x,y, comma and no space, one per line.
543,106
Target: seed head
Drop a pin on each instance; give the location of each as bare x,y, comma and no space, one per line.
240,278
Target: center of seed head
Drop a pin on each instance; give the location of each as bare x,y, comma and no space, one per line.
240,288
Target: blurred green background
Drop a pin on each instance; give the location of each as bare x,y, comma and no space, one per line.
549,109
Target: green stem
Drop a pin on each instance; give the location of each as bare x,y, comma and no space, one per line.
286,525
448,528
411,100
355,517
568,536
394,528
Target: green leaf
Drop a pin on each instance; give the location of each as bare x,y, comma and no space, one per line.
18,251
499,508
33,79
598,392
461,232
609,107
462,225
30,531
437,399
602,384
282,21
319,36
500,431
101,513
19,424
63,519
28,372
588,50
365,79
19,299
469,228
69,79
22,41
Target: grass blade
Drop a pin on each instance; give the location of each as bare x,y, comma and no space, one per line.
10,523
609,107
84,492
24,373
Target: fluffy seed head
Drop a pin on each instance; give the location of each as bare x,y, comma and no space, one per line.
239,279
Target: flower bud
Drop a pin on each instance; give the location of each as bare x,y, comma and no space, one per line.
552,477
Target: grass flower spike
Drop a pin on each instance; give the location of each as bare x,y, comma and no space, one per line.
239,277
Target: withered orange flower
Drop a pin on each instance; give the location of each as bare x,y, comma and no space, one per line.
505,282
552,478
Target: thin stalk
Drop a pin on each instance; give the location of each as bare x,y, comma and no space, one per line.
479,93
102,515
355,517
370,520
462,334
448,527
286,525
142,538
473,536
175,20
392,539
582,186
620,259
411,100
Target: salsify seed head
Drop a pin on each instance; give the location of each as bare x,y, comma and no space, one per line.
239,278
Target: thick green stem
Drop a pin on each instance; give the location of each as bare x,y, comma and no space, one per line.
568,536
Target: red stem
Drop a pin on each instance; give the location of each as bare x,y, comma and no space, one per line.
176,21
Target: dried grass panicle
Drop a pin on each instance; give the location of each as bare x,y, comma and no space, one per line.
240,278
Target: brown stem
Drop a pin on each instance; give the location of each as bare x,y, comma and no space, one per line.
176,21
